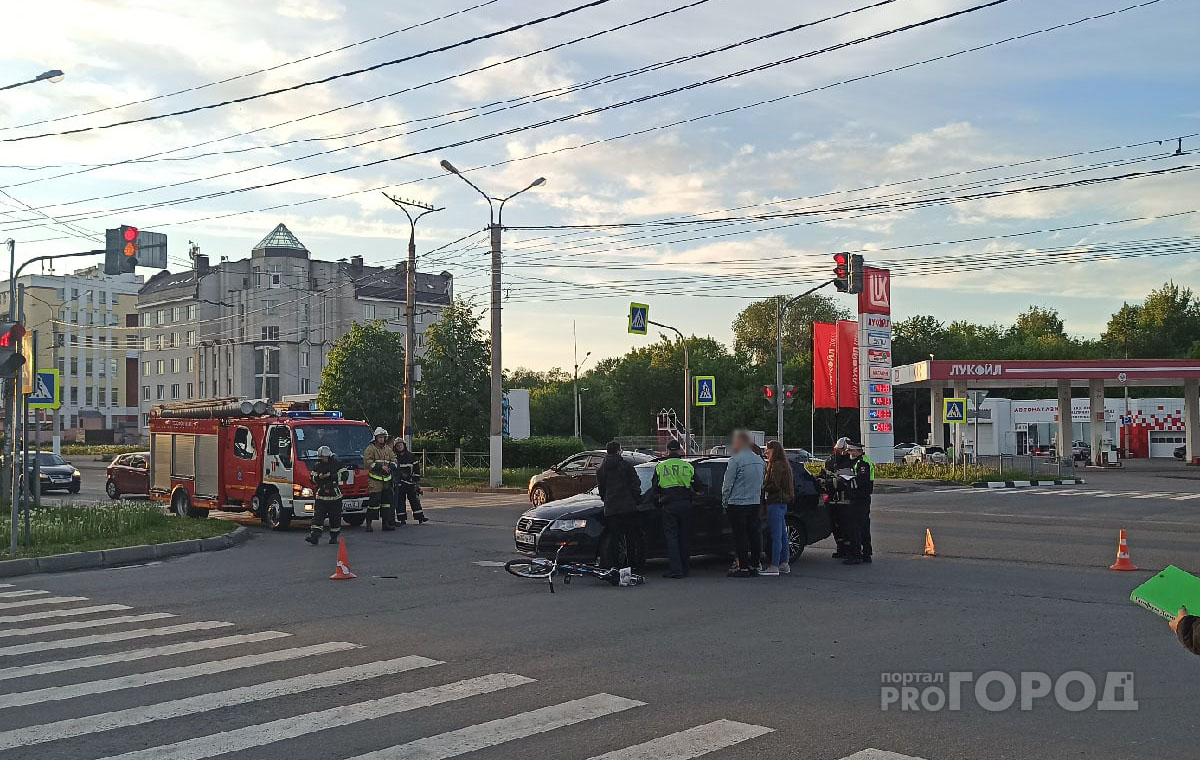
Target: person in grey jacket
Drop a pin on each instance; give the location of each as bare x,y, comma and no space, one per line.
741,495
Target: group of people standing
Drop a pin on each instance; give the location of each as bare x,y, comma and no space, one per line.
752,490
393,475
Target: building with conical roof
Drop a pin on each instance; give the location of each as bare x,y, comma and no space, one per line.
262,327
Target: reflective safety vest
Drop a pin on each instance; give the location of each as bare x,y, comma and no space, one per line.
870,464
674,473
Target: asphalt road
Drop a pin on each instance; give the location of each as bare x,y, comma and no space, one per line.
786,667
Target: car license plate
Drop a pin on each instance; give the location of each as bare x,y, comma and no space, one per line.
526,539
352,504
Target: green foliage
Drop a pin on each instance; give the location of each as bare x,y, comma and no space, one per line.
452,397
540,451
1165,326
754,328
88,527
364,375
473,478
948,473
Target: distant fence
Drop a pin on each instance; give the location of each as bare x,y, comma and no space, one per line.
457,459
1055,466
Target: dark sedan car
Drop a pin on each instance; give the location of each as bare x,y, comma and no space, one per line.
128,473
574,475
56,473
578,521
1180,452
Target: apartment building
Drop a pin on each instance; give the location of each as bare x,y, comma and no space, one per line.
263,326
86,324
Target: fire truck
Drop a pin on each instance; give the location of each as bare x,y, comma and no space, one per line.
249,456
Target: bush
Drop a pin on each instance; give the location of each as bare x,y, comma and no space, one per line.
540,451
97,449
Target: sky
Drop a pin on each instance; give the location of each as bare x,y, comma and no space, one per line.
873,142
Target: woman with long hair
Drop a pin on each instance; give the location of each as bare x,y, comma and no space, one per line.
778,492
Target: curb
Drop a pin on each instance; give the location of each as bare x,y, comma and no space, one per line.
1027,483
57,563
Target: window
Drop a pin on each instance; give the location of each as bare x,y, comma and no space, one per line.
394,312
276,275
243,443
304,385
174,340
162,341
145,420
74,365
60,338
116,397
145,393
161,367
368,311
189,390
279,443
307,312
74,293
575,465
87,396
270,333
191,364
131,341
145,369
303,360
241,321
175,390
191,338
256,272
146,343
88,367
114,299
174,313
61,293
61,360
175,365
160,392
103,296
160,317
191,312
75,395
269,306
419,317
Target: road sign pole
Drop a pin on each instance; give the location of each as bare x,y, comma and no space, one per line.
37,444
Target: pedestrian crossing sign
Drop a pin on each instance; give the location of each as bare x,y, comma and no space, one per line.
954,411
705,390
639,318
45,390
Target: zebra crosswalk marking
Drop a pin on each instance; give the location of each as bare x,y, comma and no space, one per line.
194,705
104,638
137,680
201,747
1186,496
879,754
72,612
75,625
25,592
502,730
694,742
57,666
41,600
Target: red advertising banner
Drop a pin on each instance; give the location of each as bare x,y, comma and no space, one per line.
824,365
876,295
846,375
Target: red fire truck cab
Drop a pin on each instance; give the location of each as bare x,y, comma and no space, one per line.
243,456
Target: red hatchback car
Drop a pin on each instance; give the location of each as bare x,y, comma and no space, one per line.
128,474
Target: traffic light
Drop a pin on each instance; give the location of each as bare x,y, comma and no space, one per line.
768,394
10,344
789,395
841,272
856,274
120,250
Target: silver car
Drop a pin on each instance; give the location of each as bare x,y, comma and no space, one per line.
931,454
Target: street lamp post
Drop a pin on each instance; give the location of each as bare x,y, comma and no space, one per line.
53,75
779,312
410,305
577,411
495,225
687,388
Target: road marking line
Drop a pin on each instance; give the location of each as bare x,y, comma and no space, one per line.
74,625
489,563
1151,496
496,732
63,613
104,638
691,743
97,660
1186,496
879,754
6,585
189,706
43,600
137,680
201,747
26,592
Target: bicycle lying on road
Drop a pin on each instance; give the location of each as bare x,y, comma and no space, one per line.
541,568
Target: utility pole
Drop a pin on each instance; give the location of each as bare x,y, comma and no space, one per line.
780,311
495,225
410,309
578,412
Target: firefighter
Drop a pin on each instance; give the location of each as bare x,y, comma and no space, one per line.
835,488
380,462
408,476
327,473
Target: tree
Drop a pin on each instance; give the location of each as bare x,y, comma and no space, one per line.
1039,322
754,326
1164,326
364,375
453,395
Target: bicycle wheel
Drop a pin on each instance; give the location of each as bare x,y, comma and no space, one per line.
529,568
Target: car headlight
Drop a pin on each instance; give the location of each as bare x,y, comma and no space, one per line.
306,493
568,525
75,474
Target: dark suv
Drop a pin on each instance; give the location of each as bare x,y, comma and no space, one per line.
574,475
578,522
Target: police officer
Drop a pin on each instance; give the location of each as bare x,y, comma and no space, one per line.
857,523
408,474
838,462
673,485
326,474
380,462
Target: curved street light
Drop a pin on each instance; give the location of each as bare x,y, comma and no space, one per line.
53,75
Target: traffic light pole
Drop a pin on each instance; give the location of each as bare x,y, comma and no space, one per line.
687,389
779,313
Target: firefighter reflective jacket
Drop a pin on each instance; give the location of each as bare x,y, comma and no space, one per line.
380,462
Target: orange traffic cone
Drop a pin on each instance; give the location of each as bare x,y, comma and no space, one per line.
929,550
1122,562
342,570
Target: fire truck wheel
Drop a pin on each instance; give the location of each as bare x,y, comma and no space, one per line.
273,515
181,505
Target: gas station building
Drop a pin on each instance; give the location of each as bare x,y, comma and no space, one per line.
1136,428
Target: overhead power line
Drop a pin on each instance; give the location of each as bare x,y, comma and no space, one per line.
314,82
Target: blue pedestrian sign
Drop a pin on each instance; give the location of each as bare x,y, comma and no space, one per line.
706,390
45,390
954,411
639,318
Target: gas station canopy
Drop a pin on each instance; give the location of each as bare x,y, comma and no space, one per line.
1042,373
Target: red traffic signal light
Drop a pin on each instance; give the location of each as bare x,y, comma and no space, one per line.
10,341
129,235
841,272
12,336
768,392
789,395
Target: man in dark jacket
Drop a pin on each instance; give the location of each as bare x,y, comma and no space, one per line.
621,491
857,522
672,486
838,462
326,474
407,484
1187,628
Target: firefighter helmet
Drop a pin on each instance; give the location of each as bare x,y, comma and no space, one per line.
380,431
324,451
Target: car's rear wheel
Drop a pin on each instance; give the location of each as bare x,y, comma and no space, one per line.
539,496
529,568
614,547
111,489
797,538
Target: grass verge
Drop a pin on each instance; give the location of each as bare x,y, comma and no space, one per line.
99,449
474,477
60,529
944,472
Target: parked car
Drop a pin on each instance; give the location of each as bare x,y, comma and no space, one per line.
1043,450
578,522
1081,451
798,455
932,454
720,450
55,473
128,474
1180,452
900,449
574,475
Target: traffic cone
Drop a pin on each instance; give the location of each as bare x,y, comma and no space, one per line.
929,550
1122,562
341,571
